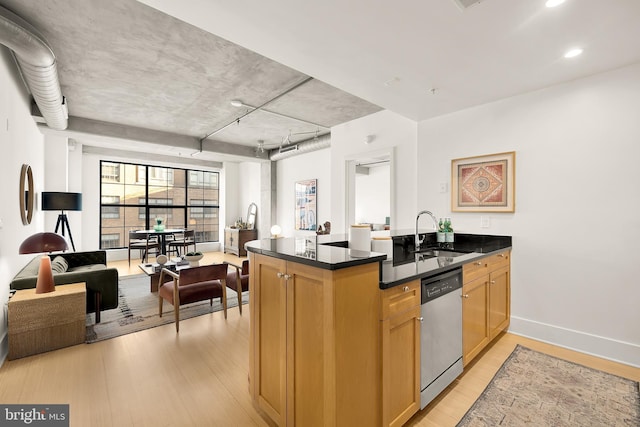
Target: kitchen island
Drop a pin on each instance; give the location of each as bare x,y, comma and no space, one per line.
334,339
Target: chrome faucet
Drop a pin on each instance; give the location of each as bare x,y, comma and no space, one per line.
419,241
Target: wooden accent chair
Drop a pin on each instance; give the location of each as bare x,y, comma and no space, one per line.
191,285
181,242
144,242
239,274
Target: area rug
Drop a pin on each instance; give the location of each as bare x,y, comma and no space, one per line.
535,389
138,310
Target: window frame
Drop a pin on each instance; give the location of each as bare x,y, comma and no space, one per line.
141,204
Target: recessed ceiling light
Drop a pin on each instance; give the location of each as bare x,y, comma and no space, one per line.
236,103
553,3
573,53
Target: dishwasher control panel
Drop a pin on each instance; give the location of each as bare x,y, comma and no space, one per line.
436,286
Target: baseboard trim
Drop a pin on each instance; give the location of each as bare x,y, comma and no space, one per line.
606,348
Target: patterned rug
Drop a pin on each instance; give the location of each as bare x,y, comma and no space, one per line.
534,389
138,310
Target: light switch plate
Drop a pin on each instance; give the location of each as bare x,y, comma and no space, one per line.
485,222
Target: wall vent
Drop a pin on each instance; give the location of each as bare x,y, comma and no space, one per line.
465,4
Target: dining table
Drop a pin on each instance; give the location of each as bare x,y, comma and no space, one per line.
162,234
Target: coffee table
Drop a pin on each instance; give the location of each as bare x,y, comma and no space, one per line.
153,271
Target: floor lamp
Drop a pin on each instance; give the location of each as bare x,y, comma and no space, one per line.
59,201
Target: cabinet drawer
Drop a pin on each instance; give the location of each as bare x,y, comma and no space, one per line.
400,298
479,268
498,260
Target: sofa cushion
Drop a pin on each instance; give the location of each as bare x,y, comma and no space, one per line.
90,267
59,265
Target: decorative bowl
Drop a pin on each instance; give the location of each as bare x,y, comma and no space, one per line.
193,259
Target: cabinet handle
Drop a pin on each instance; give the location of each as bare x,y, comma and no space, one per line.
478,263
405,289
492,282
465,296
287,277
280,275
501,255
421,319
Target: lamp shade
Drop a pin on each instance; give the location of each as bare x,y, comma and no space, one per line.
59,201
43,242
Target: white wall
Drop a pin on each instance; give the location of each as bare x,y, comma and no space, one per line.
313,165
576,227
249,188
21,143
389,131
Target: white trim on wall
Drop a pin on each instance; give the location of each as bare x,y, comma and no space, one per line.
607,348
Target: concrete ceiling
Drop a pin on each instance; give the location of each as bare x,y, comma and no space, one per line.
137,68
393,53
138,79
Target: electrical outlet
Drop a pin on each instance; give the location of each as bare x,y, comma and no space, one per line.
485,222
443,187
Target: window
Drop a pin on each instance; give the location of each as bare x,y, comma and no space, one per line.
132,196
153,202
109,241
203,209
203,179
110,172
110,212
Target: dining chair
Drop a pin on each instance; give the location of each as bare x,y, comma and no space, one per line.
143,242
181,242
238,279
193,284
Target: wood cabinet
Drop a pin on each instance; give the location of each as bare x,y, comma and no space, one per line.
315,343
400,318
486,303
235,238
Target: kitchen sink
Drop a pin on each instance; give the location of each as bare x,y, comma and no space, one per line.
431,253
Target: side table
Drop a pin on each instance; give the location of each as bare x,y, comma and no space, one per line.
44,322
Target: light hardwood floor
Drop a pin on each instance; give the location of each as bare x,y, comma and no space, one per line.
199,376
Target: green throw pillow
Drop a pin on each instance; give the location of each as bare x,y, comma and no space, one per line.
59,265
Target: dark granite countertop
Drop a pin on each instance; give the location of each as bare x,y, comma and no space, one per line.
331,252
327,252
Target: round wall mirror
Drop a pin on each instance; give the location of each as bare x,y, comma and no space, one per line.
27,194
252,212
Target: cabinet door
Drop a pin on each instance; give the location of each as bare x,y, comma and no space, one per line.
268,311
401,367
305,350
475,326
231,240
499,301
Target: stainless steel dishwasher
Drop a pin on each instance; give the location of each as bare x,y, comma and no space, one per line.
441,333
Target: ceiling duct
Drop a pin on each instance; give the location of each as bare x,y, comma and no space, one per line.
37,64
306,146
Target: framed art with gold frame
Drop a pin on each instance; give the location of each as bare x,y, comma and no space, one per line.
483,183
